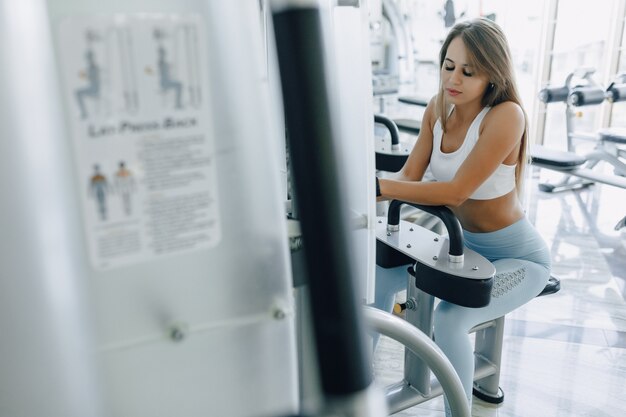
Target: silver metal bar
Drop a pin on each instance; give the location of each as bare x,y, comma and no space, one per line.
425,348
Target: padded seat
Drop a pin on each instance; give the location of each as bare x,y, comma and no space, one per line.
613,134
555,158
408,126
390,162
416,101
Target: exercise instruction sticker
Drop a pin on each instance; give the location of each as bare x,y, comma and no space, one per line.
136,92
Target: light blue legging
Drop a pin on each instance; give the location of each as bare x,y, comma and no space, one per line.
522,262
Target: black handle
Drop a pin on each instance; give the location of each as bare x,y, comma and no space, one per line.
455,233
390,125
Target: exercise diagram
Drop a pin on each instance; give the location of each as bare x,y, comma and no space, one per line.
177,66
92,89
166,79
98,189
124,186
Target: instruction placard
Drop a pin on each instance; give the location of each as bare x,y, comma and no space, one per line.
136,92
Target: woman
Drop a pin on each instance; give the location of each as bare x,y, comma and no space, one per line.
474,137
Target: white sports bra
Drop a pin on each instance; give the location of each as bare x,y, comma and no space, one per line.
444,166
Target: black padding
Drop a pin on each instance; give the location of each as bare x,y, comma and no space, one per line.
388,257
554,94
553,286
465,292
390,162
613,134
343,358
552,157
416,101
586,96
408,126
616,93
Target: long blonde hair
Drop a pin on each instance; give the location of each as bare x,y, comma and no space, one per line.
488,53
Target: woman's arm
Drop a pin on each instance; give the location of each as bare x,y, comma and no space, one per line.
500,136
417,162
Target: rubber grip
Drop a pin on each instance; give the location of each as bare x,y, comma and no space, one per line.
554,94
586,96
616,93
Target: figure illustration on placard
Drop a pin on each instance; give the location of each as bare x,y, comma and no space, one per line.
125,186
92,89
167,80
177,65
98,189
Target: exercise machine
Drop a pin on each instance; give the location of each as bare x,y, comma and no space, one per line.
344,373
182,308
440,267
580,90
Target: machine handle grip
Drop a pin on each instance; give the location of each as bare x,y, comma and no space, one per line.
554,94
585,96
455,233
616,93
391,126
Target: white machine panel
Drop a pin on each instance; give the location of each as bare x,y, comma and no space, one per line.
159,286
351,67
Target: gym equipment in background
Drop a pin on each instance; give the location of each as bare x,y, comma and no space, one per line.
579,90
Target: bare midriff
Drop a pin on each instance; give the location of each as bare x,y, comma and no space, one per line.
481,216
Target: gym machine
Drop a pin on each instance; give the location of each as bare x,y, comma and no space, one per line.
182,307
344,370
580,89
439,266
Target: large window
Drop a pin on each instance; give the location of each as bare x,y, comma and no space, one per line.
618,110
521,22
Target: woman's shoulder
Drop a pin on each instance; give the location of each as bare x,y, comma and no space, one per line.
430,113
507,109
505,114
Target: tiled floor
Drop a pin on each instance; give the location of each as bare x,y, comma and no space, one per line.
564,354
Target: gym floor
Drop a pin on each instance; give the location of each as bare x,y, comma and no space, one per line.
564,354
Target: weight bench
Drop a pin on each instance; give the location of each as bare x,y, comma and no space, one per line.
441,267
575,166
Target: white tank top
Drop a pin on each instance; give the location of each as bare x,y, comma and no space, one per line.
444,166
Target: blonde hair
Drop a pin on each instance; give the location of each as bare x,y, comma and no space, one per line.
489,54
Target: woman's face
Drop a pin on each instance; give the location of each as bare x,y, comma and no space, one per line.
461,84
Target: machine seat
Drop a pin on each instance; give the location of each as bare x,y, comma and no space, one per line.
408,126
415,101
390,162
559,159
